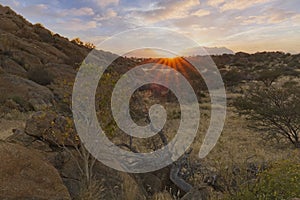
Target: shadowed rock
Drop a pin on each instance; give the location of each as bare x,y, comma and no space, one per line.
24,175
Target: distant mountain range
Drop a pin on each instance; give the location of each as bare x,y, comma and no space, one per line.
207,51
195,51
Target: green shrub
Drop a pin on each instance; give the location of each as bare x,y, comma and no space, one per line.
233,77
279,182
40,76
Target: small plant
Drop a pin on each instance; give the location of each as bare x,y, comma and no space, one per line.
281,181
162,196
233,77
95,190
39,25
80,43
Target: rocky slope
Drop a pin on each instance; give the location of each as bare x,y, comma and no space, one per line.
35,65
34,62
25,47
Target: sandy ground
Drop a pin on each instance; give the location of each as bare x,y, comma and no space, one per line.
6,127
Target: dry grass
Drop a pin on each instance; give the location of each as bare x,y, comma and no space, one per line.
17,115
162,196
237,147
94,191
130,189
238,142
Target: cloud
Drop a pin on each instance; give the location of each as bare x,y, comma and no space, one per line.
240,4
15,3
166,10
12,3
201,13
296,20
215,3
105,3
76,24
219,22
265,38
270,16
84,11
43,10
109,14
35,10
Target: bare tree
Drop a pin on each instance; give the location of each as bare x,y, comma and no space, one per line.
84,161
175,168
274,110
269,76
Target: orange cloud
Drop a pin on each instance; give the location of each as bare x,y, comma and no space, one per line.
168,10
201,13
240,4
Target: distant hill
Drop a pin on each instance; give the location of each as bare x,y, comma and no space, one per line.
202,51
157,53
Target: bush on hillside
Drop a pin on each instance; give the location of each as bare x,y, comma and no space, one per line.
40,76
280,181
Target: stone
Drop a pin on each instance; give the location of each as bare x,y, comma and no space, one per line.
25,175
20,137
38,123
53,128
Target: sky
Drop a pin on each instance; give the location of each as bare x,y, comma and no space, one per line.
240,25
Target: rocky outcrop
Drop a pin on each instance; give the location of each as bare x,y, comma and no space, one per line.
26,47
34,43
23,47
25,175
28,94
55,129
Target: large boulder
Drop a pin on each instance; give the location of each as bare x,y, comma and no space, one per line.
25,175
65,160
